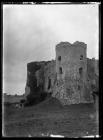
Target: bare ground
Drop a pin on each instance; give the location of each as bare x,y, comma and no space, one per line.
50,117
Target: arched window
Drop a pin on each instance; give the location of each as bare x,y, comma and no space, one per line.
60,70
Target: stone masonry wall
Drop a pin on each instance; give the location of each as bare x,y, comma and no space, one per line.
70,58
65,84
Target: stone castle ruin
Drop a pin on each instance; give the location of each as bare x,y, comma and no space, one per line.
70,78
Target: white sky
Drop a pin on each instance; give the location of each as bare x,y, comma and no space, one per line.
31,33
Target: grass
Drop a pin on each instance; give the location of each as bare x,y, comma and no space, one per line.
50,117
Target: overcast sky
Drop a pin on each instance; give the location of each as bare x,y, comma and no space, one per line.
31,33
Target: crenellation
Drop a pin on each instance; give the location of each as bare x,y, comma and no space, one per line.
70,78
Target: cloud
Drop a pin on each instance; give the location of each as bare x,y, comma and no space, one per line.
32,32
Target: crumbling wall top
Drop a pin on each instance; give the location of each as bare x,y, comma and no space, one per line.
67,44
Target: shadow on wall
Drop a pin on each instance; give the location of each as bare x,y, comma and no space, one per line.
33,100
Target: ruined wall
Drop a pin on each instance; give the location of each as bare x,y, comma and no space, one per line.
49,76
70,78
71,68
40,79
32,88
93,74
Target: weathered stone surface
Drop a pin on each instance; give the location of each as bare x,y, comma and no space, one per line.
27,90
70,78
73,57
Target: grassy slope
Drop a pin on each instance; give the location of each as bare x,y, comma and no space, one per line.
51,117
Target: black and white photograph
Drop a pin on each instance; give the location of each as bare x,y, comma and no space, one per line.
50,70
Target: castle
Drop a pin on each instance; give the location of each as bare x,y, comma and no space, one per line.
70,78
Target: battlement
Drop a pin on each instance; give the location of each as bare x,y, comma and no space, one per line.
67,78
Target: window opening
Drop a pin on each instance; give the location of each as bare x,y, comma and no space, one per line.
59,58
81,57
78,87
49,83
60,70
81,71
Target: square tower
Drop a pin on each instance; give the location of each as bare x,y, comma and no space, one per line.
71,69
